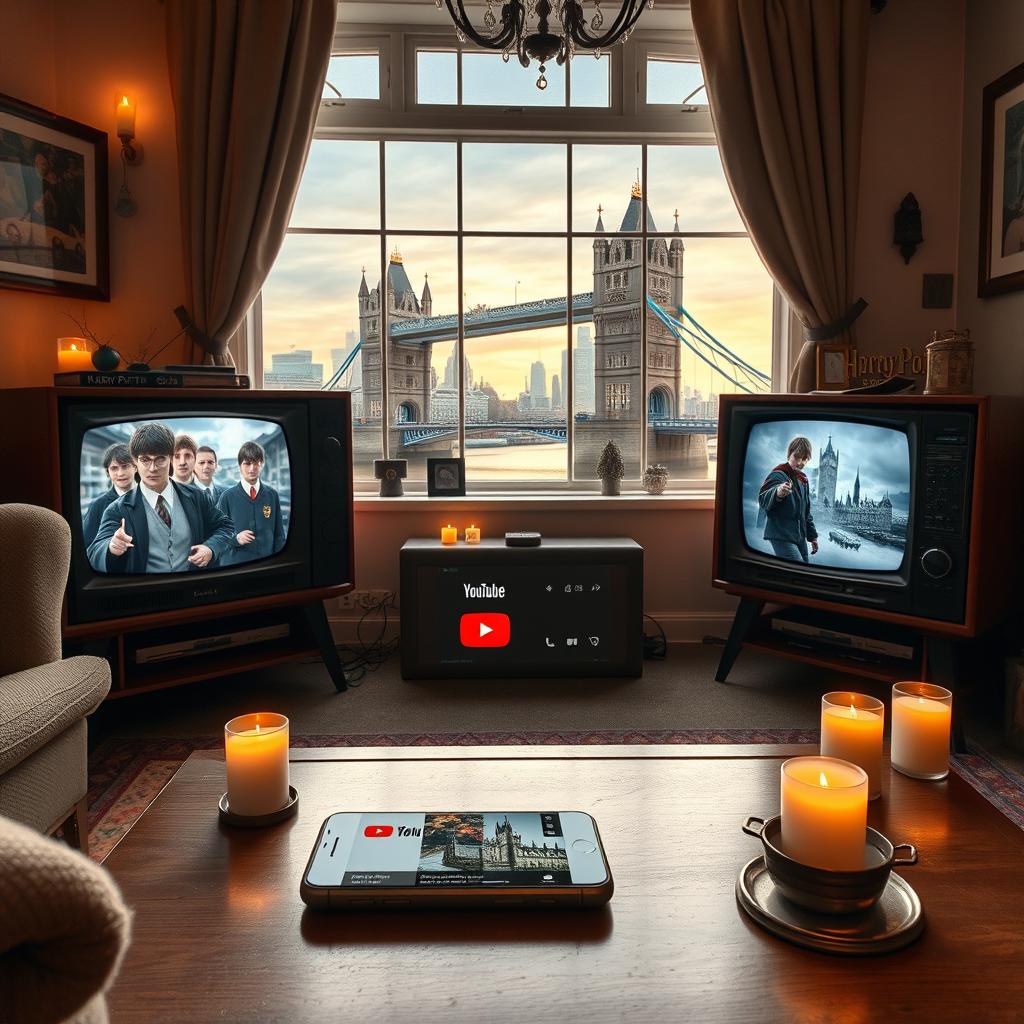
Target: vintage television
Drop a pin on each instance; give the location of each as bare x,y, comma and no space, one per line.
301,518
916,502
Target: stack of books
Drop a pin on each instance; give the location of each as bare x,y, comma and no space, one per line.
175,376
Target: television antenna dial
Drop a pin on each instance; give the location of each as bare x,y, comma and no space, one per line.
937,563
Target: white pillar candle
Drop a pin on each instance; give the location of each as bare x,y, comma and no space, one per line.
824,812
921,718
256,752
851,729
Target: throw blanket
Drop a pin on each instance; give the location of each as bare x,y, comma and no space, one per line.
63,931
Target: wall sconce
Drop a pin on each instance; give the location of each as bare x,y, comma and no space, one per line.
906,227
131,154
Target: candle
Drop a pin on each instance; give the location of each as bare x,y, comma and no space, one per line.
256,751
921,716
851,729
73,354
449,535
472,534
824,812
125,118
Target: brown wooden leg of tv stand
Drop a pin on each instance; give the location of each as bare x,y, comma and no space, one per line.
746,615
942,669
317,619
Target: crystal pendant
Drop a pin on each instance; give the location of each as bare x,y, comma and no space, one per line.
542,82
489,19
460,35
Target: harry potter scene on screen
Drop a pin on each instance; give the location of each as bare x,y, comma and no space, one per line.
831,494
184,494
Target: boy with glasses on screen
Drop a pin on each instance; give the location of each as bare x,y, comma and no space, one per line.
161,525
254,509
120,469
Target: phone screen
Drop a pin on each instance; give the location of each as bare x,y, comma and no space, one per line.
453,848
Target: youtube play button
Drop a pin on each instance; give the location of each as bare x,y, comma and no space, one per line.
378,831
484,629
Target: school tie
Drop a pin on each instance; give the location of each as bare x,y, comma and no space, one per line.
252,493
163,511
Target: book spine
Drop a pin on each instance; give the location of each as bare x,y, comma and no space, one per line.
149,380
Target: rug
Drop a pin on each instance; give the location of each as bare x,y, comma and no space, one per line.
126,775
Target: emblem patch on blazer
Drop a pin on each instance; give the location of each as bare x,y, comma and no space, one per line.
266,511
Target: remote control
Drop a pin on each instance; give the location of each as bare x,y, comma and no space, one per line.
522,540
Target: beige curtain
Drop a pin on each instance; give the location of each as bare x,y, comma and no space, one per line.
246,77
785,80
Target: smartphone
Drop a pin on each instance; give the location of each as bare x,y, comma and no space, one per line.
378,861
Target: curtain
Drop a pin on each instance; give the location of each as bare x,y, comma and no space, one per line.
246,78
785,82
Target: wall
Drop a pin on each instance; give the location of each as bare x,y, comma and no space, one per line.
994,45
74,58
911,143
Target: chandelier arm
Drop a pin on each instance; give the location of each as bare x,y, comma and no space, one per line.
574,23
510,29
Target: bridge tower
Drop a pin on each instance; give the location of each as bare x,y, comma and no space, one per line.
618,296
408,364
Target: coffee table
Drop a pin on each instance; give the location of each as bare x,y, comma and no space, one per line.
220,933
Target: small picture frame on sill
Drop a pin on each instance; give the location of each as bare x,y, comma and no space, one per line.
833,367
446,478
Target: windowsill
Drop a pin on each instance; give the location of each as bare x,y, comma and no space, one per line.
539,501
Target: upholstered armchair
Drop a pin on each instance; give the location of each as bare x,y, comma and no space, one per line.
44,698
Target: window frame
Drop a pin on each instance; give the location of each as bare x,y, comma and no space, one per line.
648,47
357,43
627,121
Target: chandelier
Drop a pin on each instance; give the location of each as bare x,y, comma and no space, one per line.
511,35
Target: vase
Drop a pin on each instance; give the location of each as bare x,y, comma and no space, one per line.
106,359
655,479
610,486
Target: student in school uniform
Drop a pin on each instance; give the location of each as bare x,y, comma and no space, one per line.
185,449
161,525
254,508
206,470
120,469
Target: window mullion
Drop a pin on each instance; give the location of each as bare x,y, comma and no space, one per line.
460,339
384,327
643,309
568,396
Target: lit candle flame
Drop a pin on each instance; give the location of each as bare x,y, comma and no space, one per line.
853,711
822,781
124,101
74,347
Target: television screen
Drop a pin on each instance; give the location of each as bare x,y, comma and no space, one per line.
184,494
828,493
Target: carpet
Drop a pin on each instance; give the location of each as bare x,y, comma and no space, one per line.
126,775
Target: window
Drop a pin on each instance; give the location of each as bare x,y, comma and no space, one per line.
504,293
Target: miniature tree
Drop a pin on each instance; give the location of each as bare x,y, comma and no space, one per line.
610,468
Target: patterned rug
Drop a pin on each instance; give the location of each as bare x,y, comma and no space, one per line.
126,775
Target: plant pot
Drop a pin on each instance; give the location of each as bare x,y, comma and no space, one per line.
610,486
655,479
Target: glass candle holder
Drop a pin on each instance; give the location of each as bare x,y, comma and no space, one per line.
851,729
824,812
256,752
74,354
921,717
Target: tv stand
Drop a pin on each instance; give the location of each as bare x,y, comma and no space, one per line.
936,656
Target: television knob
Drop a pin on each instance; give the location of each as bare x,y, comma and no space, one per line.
937,563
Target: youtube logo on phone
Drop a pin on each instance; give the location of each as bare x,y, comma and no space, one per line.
378,831
485,629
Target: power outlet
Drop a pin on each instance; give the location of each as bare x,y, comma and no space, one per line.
362,600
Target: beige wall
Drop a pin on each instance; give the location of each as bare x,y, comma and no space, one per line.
73,58
995,45
911,143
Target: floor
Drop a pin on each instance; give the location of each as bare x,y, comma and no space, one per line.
678,693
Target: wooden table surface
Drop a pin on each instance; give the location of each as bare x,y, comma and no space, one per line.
220,933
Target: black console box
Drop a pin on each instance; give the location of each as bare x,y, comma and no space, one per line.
570,607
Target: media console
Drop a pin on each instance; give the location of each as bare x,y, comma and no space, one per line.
568,607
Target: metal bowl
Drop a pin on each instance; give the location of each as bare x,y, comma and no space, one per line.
831,892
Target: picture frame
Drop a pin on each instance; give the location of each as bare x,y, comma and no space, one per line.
833,367
1001,235
446,478
54,210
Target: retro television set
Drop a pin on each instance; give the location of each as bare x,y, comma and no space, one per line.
300,519
914,499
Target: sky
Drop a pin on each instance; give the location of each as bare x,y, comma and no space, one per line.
310,298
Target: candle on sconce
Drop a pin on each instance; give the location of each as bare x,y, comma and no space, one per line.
256,752
449,534
472,534
74,354
921,717
851,729
824,812
125,118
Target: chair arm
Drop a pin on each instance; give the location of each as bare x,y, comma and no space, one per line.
39,703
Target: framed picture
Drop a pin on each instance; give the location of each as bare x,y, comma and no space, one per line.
1001,259
833,367
446,477
53,203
